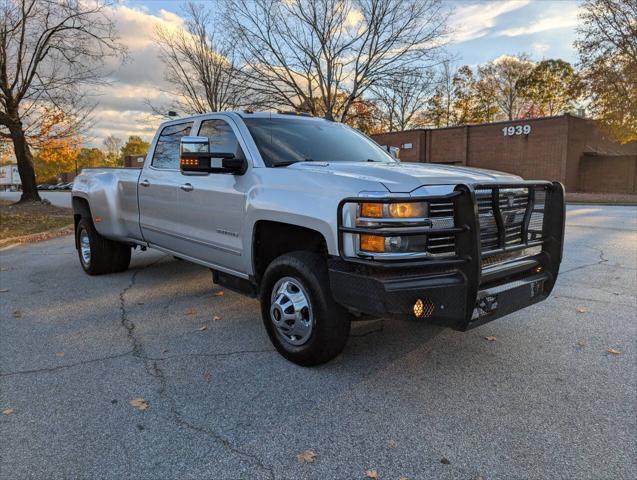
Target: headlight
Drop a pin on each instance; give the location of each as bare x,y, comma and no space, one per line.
407,210
394,210
379,214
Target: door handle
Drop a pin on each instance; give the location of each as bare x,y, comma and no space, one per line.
186,187
145,183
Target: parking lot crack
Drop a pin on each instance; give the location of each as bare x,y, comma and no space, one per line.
125,321
62,367
156,371
602,260
152,368
211,355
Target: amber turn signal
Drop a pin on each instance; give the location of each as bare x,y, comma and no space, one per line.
189,162
372,243
372,210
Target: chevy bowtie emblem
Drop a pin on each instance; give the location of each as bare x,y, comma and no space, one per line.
510,200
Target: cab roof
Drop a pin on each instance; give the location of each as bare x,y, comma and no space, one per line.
244,114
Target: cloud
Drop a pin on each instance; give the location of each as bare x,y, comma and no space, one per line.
122,106
477,19
540,48
560,18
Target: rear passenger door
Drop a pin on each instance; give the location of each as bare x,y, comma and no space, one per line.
159,209
213,205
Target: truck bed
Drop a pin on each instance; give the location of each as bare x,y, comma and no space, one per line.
112,195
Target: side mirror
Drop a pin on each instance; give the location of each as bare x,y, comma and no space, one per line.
195,157
394,152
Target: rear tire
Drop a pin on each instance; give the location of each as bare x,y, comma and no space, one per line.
99,255
302,319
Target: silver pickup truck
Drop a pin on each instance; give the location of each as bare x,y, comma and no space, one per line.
324,227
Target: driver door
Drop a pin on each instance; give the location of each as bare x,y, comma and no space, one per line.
213,206
158,191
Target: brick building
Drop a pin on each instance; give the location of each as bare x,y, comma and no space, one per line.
570,149
134,161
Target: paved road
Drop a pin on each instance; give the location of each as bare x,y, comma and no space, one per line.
545,400
60,199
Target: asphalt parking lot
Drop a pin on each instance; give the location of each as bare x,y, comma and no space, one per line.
545,399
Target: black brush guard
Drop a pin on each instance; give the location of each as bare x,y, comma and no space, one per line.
465,292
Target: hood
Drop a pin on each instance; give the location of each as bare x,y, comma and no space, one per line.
406,177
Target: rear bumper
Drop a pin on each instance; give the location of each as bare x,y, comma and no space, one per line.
463,293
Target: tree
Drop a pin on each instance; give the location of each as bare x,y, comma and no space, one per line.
401,97
465,104
503,74
135,146
549,88
305,54
440,106
201,65
56,156
49,51
607,46
486,104
365,116
90,158
113,144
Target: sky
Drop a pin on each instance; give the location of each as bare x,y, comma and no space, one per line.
481,31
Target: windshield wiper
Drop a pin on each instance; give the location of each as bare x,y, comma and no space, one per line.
291,162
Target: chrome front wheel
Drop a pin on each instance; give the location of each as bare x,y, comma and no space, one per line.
85,248
291,311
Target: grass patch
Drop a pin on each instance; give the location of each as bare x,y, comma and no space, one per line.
17,220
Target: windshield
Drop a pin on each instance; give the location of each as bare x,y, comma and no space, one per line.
283,141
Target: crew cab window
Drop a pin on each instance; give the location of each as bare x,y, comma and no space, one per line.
166,154
221,137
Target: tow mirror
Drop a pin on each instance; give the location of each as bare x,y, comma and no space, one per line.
394,152
195,157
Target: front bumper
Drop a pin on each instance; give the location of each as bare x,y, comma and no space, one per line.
460,291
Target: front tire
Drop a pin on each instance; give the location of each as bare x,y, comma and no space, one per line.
302,319
99,255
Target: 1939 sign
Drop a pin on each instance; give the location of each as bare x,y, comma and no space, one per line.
516,130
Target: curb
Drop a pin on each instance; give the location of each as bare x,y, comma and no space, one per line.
7,243
606,204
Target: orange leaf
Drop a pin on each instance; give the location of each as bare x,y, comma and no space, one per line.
614,351
308,456
139,403
491,338
216,318
8,411
581,310
371,474
219,294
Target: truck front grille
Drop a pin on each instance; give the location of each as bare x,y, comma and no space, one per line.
442,215
509,217
488,224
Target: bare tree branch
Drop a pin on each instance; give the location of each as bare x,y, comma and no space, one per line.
321,56
50,51
201,66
